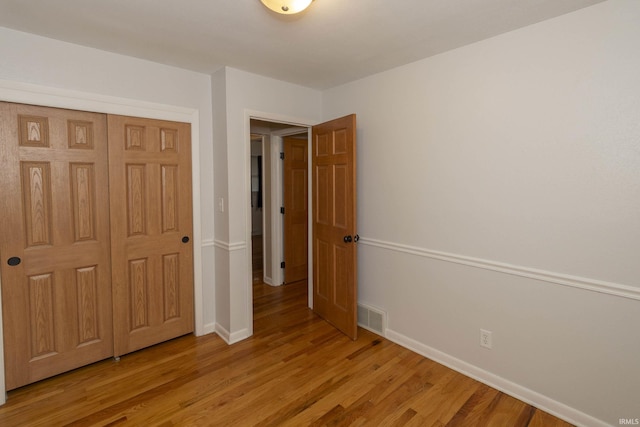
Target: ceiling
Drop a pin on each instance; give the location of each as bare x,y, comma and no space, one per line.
331,43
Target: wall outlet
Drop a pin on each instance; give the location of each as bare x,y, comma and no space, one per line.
485,339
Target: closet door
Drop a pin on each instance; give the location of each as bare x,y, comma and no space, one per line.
54,249
151,231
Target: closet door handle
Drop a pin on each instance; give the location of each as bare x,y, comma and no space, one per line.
13,261
185,239
347,239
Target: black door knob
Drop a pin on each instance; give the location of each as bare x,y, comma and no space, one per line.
13,261
347,239
356,238
185,239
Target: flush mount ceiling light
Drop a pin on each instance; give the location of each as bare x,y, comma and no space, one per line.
287,7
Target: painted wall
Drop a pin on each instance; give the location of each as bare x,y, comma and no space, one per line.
247,95
499,188
71,75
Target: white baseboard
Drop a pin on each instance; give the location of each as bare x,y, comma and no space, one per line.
209,328
233,337
524,394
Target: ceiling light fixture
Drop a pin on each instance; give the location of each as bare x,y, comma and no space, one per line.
287,7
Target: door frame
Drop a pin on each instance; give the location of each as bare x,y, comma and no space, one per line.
295,122
27,93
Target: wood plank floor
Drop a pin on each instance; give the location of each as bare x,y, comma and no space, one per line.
295,371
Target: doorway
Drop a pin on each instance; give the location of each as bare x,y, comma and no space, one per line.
331,186
268,245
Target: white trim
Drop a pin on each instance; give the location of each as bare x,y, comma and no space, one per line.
290,131
583,283
268,281
222,332
231,338
27,93
230,247
277,220
209,328
270,117
524,394
208,243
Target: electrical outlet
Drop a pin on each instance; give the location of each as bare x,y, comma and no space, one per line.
485,339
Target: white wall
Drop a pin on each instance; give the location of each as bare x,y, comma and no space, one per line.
34,69
246,95
499,188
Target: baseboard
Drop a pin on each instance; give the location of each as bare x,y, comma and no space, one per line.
231,337
209,328
524,394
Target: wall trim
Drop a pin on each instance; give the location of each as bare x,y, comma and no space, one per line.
209,328
553,407
583,283
229,247
207,243
231,338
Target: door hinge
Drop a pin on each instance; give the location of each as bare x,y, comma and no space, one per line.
282,264
282,210
281,156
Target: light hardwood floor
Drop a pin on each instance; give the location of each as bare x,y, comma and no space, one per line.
296,371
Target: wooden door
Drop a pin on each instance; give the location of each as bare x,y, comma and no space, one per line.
56,274
151,230
295,209
334,223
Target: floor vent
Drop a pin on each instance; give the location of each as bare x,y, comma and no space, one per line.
372,319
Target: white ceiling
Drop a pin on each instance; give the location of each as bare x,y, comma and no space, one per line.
332,42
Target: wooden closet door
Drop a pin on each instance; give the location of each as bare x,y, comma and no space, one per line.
54,249
151,231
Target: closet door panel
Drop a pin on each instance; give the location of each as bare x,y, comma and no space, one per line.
151,224
55,266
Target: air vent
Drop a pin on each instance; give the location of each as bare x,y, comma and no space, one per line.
372,319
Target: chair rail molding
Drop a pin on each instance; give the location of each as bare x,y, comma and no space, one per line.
583,283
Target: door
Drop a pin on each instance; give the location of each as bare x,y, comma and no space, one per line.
334,223
295,209
56,274
151,230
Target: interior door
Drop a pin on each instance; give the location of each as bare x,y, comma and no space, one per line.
334,223
56,273
295,209
151,230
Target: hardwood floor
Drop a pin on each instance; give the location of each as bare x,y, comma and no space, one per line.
295,371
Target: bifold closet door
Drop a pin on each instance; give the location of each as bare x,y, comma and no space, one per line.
54,249
151,231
